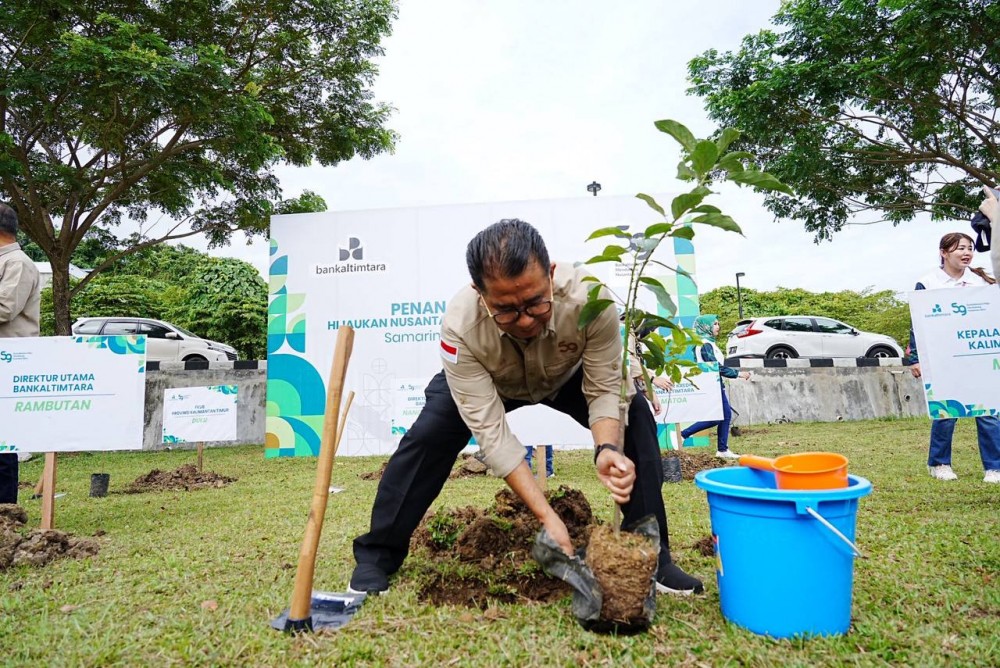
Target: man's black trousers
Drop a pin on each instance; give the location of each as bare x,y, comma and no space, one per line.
8,478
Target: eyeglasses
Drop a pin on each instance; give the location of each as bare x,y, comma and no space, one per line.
512,315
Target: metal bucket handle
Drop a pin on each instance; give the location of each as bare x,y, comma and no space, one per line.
822,520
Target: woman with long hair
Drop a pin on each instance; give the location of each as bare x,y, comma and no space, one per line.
707,327
954,271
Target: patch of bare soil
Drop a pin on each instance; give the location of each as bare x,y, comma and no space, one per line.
185,478
36,547
374,475
497,541
624,566
705,547
469,466
698,459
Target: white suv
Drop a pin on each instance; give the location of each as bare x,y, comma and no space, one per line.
789,336
164,342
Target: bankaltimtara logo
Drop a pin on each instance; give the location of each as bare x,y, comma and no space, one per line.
350,260
354,250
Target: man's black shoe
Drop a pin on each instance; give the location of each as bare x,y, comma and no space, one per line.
368,579
672,580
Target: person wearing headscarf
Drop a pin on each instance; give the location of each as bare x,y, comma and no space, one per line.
707,327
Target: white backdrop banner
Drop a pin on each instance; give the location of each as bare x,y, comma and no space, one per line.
200,414
958,338
72,393
688,402
389,274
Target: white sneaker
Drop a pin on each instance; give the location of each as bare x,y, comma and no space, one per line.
992,476
944,472
726,454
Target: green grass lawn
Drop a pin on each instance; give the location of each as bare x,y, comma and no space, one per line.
927,594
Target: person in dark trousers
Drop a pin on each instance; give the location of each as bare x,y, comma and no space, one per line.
20,298
955,251
707,327
511,339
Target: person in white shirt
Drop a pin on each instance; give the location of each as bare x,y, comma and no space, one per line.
956,251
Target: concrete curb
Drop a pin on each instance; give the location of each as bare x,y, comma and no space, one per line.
812,363
203,366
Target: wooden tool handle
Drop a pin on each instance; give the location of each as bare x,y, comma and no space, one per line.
302,593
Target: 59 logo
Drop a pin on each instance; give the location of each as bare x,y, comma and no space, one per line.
6,356
960,309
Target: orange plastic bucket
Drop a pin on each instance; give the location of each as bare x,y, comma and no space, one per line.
803,470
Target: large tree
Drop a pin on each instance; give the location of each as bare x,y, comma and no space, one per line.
885,106
177,109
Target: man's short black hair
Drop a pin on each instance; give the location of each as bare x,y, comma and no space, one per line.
505,249
8,220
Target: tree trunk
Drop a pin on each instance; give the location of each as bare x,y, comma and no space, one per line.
60,296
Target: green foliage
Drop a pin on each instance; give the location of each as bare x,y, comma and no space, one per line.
179,110
222,299
444,530
879,312
227,302
111,295
702,163
866,106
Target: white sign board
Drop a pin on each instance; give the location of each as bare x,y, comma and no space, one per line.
199,414
72,393
389,274
697,401
958,339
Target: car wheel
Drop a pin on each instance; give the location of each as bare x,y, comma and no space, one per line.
195,358
881,352
781,353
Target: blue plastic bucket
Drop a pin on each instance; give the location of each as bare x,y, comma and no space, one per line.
784,558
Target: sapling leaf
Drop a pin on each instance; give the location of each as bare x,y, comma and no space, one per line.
678,132
609,231
662,296
657,229
685,201
591,310
703,156
728,136
720,220
652,203
759,180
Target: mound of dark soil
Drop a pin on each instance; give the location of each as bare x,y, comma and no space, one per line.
37,547
186,478
497,541
694,460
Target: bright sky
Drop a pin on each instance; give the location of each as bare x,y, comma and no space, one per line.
524,99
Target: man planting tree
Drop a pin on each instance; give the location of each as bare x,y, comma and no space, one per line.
512,339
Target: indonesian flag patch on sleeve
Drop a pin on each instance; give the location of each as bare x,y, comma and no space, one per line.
449,352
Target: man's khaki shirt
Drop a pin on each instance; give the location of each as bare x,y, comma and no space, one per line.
484,365
20,293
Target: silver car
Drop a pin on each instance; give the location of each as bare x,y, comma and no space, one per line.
790,336
164,342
